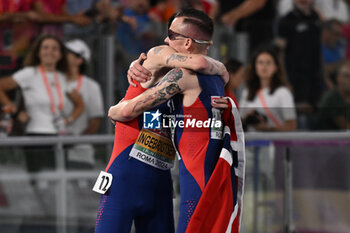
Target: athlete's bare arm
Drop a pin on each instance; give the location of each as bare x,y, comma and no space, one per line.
177,80
164,56
158,58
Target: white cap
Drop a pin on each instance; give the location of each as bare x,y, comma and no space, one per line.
79,48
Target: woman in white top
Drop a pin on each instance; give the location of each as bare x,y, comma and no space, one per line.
45,92
44,87
267,103
78,55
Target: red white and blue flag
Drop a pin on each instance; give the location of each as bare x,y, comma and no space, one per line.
219,209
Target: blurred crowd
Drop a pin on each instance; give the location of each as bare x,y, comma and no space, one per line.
298,77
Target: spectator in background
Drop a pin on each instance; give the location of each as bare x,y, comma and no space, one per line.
207,6
333,50
136,37
345,32
267,103
53,14
333,9
108,10
163,10
255,17
210,7
284,7
327,9
334,108
236,77
74,7
79,7
81,156
299,34
44,87
104,15
89,121
16,33
112,11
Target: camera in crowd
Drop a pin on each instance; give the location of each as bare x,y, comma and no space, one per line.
255,118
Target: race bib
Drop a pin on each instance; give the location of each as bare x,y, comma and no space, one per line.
103,182
154,148
216,132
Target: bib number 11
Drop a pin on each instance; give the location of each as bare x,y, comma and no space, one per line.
103,182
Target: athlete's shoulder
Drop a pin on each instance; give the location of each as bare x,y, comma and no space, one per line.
156,57
160,50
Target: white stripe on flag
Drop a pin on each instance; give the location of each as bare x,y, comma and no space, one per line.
226,155
233,216
239,146
227,130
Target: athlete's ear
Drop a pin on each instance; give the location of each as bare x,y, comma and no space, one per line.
188,44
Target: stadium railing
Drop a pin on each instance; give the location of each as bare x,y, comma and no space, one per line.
269,196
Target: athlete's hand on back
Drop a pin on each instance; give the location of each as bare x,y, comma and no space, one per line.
137,72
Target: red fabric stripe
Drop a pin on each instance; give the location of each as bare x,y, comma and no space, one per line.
235,225
194,143
126,133
232,96
215,207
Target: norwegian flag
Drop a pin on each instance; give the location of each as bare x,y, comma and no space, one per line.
219,209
